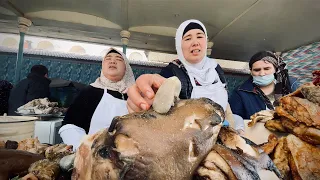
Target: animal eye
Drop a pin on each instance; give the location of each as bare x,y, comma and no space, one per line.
104,153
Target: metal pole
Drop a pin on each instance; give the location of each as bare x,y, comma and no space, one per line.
19,58
125,35
124,49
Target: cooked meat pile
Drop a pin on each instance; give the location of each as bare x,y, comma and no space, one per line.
297,156
178,140
41,161
41,106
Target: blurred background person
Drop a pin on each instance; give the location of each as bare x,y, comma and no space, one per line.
35,86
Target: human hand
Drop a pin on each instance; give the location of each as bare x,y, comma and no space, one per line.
141,94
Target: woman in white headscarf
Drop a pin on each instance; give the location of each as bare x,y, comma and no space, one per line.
200,76
99,103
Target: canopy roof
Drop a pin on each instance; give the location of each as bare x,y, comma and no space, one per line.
237,28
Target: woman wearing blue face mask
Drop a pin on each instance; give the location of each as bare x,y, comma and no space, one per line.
269,82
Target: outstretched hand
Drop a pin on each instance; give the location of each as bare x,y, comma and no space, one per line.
141,94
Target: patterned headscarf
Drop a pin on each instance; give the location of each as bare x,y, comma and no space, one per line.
121,86
282,86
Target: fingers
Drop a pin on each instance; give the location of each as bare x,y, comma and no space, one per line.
148,84
135,101
132,107
141,94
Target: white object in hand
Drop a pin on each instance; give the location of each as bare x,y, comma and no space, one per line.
166,95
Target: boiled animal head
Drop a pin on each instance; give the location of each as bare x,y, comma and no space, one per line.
149,145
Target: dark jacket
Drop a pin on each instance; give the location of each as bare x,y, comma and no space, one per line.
176,68
33,87
245,101
5,88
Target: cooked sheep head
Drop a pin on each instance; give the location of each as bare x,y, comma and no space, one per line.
149,145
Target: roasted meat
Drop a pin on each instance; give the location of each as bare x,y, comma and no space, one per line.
299,110
45,169
38,106
262,116
281,157
237,158
16,162
275,126
11,144
294,174
308,134
306,158
58,151
215,167
32,145
312,93
270,145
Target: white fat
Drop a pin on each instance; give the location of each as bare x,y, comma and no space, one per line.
191,157
126,146
267,175
189,122
238,142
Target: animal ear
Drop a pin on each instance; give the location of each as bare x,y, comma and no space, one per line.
113,124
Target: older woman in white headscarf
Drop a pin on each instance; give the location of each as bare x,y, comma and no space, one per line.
200,76
99,103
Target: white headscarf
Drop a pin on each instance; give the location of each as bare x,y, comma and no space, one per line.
204,71
121,86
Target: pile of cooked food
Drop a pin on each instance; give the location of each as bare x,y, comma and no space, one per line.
41,106
176,139
296,121
181,139
187,142
31,160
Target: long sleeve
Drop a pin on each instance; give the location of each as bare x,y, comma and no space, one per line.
72,135
236,104
77,121
81,110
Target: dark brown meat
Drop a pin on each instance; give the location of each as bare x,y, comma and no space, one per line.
16,162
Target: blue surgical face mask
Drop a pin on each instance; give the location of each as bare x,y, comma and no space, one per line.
263,80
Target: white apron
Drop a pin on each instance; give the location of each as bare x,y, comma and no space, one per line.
216,92
107,109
